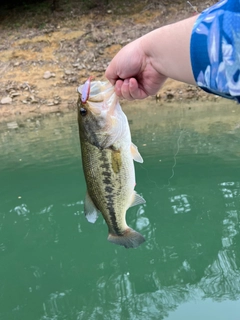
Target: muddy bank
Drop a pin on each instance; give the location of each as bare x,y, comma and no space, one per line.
43,61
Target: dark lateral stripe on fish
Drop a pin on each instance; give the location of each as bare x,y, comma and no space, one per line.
109,197
104,165
108,189
112,214
106,174
102,157
107,180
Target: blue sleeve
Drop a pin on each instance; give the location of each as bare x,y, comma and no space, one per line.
215,49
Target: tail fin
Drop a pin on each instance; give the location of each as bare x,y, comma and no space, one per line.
130,239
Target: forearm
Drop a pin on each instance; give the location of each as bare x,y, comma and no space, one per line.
141,67
168,49
205,53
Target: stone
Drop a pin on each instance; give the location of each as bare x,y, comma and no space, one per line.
50,103
12,125
6,100
33,100
68,72
48,75
14,94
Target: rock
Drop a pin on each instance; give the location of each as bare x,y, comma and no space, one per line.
33,100
72,80
48,75
25,86
6,100
14,94
76,65
50,103
12,125
68,72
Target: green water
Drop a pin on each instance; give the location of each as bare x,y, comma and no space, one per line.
56,265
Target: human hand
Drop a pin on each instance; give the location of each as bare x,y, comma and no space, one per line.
133,73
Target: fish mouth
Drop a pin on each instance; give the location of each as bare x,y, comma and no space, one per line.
100,91
102,97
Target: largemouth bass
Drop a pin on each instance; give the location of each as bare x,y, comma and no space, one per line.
107,156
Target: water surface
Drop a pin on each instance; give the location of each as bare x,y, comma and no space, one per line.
55,265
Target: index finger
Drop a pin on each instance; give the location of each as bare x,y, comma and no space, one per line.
111,74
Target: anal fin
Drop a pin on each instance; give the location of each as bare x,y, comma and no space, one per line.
136,199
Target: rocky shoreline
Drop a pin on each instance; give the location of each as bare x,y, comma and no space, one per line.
42,67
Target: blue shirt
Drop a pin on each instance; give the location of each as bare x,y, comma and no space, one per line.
215,49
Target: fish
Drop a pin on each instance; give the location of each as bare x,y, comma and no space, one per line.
107,158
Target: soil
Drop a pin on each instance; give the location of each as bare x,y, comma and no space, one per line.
46,54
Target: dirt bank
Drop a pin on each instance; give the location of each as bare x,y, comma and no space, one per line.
45,55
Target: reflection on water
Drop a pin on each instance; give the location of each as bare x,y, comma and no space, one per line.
55,265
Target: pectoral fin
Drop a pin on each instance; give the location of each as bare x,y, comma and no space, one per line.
135,153
136,200
90,210
116,161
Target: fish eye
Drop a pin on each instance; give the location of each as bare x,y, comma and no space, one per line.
83,112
